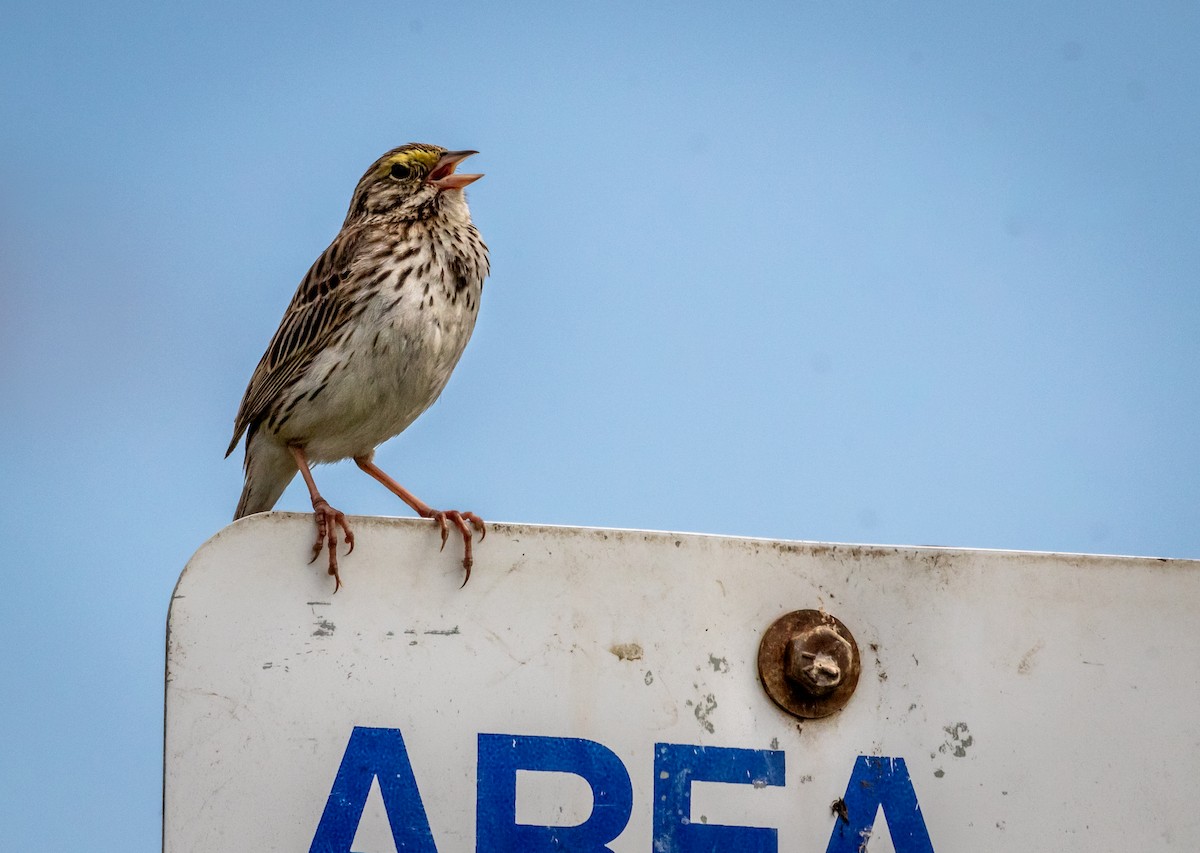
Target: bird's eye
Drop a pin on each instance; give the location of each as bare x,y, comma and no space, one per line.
400,171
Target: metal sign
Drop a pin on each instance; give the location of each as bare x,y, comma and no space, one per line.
595,690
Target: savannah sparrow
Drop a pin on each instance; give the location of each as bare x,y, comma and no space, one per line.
369,340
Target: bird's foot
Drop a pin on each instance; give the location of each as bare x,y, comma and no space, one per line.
328,521
460,520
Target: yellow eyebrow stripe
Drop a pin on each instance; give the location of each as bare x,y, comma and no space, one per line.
425,159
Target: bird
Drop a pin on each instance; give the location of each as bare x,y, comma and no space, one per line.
368,341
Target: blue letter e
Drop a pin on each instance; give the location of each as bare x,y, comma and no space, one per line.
677,766
374,753
501,756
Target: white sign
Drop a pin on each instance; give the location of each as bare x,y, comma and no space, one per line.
597,690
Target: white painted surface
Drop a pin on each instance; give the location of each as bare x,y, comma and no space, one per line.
1041,702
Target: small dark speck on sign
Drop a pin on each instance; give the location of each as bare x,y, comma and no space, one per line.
838,807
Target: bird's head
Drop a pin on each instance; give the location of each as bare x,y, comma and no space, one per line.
414,181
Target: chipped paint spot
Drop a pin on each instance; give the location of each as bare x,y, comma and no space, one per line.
718,664
627,651
442,632
325,628
960,738
703,710
939,773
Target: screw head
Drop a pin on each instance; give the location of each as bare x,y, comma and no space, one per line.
808,663
816,659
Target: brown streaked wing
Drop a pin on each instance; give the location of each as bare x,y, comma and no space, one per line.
321,305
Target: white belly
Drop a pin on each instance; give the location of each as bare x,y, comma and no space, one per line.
392,369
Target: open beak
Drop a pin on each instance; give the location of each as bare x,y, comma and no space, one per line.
443,176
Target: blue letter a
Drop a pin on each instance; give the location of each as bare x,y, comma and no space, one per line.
371,754
878,781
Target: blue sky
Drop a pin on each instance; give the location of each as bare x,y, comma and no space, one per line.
907,273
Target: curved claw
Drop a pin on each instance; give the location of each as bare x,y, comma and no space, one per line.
328,521
477,522
460,521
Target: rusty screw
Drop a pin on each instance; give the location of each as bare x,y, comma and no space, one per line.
808,663
814,660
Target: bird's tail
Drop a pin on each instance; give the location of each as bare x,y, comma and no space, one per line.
269,469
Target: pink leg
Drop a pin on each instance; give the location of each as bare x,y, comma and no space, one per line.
458,519
328,519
